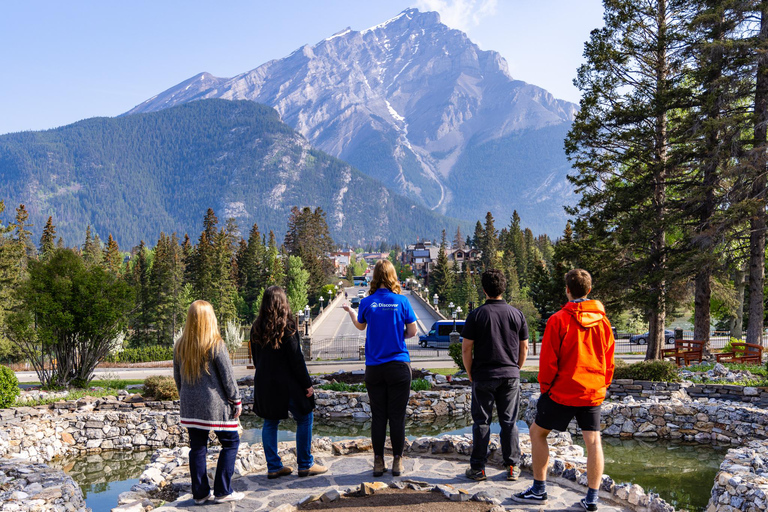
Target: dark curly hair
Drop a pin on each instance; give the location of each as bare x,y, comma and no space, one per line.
275,319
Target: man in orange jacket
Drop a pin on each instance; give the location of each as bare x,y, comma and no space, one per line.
575,369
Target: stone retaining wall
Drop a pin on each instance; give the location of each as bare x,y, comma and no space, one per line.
742,482
27,487
41,435
620,388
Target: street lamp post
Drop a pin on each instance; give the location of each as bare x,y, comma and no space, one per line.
306,320
453,315
321,303
330,296
436,299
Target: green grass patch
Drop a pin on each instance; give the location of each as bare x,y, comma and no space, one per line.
341,386
75,394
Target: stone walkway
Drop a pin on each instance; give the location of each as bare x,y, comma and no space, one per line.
349,471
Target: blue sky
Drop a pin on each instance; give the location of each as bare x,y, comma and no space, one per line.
66,61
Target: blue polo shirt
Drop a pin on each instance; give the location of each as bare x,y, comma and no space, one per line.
386,314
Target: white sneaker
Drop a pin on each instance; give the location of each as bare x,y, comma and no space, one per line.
202,501
235,496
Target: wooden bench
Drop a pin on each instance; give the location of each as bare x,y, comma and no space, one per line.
748,353
685,352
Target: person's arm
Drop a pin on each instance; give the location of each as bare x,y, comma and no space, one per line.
522,335
411,329
466,356
359,325
610,365
228,381
523,353
176,373
550,346
298,365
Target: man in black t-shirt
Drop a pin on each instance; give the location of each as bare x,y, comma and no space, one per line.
498,333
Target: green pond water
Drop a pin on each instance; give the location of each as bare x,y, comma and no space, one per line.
681,474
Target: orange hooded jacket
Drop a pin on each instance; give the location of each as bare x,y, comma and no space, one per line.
576,361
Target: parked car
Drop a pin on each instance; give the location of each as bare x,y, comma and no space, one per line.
354,302
361,294
439,334
642,339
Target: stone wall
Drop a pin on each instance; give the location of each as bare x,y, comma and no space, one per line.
620,388
742,482
27,486
40,434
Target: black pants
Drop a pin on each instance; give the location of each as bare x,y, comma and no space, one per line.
506,394
389,387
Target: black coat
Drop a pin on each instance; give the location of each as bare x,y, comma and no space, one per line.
281,374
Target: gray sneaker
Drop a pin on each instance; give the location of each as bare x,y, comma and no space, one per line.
235,496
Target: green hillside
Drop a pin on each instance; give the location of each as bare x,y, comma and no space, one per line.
137,175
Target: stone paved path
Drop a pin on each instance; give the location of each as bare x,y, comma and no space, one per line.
349,471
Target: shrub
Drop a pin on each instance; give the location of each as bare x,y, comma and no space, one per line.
161,388
142,355
454,350
233,336
9,387
342,386
730,348
657,371
420,385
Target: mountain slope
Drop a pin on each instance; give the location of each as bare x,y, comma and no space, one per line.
405,101
135,176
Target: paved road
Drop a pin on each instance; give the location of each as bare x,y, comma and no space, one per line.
337,336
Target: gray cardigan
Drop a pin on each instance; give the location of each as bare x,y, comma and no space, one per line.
210,402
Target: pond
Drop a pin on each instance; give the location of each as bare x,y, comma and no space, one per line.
682,474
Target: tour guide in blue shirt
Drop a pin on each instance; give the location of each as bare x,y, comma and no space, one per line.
390,319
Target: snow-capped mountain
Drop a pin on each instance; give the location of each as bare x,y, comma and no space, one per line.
423,109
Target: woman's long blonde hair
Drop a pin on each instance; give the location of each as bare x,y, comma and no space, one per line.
200,337
384,274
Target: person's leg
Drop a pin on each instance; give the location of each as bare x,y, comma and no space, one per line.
398,393
230,441
589,420
304,422
539,452
595,463
377,397
507,397
269,441
482,412
198,449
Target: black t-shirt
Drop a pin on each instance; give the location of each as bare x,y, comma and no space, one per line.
496,328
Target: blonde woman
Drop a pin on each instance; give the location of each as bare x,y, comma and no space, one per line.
390,319
210,400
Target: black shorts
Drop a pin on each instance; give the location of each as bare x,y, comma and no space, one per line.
551,415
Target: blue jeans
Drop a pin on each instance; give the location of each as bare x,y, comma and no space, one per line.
198,472
303,441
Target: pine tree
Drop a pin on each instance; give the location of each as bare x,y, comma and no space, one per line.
140,279
91,249
516,245
273,273
23,237
440,277
10,277
111,259
167,288
458,240
489,244
48,239
759,166
622,146
309,238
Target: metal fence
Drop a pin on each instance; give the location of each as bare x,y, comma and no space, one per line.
353,348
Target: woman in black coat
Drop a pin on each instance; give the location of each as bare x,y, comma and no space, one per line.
282,383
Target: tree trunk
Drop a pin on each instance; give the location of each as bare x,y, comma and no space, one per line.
701,315
737,323
758,220
658,254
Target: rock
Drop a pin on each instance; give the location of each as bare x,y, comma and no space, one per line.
285,507
484,497
136,506
330,495
368,488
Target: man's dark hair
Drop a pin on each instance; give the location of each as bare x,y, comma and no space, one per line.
579,282
494,282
